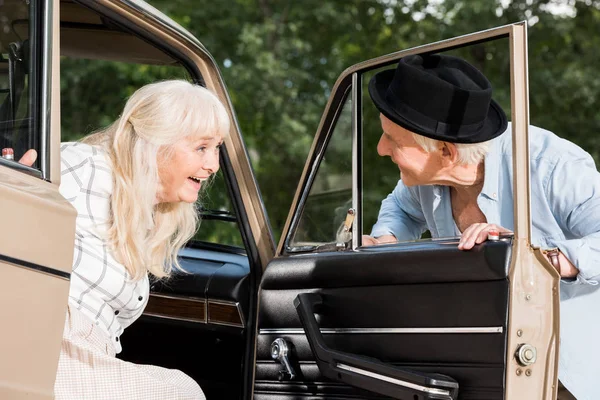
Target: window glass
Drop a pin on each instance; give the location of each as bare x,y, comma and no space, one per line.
380,174
18,78
93,94
218,221
330,196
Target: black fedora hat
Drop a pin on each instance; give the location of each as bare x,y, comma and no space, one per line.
441,97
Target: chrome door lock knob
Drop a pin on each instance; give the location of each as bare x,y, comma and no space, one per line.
280,352
526,355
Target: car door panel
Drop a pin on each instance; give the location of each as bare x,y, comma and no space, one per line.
218,278
38,224
205,308
424,307
449,317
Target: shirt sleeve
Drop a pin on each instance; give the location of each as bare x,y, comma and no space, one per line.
400,215
573,193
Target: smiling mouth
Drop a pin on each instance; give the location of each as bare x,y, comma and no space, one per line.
197,182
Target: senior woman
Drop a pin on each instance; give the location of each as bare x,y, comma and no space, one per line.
452,144
134,186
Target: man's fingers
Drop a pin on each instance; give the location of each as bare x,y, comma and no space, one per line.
368,240
29,157
467,240
477,234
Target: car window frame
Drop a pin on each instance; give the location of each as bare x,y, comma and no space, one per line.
350,80
39,87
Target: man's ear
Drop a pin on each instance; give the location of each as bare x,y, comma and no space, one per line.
449,153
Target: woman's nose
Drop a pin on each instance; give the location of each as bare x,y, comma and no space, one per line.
212,162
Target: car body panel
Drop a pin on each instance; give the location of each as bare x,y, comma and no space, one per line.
36,252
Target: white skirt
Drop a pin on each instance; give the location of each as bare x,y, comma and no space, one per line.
88,369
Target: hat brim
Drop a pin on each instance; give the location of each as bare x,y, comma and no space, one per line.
495,123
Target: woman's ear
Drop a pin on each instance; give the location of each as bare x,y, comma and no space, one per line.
449,153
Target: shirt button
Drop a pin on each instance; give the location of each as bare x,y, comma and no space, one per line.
116,312
117,339
140,298
494,195
97,322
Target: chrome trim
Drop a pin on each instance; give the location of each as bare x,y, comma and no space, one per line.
176,297
356,97
46,83
377,331
35,267
395,381
163,316
226,303
20,167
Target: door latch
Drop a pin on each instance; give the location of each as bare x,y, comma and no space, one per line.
279,352
344,234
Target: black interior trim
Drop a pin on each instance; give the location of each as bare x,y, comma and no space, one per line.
366,372
35,267
428,284
438,262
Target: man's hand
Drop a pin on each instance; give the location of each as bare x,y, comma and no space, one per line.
370,241
478,233
28,158
567,269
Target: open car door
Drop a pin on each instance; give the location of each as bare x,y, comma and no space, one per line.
38,224
413,321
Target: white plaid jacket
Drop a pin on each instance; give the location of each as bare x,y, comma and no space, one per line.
101,287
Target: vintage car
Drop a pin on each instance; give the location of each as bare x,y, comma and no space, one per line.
320,316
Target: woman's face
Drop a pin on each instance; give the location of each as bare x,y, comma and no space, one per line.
191,162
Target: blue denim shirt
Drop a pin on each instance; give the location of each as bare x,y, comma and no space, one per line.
565,212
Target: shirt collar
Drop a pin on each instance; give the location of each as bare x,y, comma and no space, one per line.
492,169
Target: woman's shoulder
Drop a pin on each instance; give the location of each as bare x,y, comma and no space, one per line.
77,153
84,166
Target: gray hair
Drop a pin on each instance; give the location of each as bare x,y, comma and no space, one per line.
467,153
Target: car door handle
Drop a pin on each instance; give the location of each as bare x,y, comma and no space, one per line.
366,372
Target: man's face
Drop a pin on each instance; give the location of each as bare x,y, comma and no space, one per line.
417,166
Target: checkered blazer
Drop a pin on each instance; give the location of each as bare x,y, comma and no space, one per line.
101,287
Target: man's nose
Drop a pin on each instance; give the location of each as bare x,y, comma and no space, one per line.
383,146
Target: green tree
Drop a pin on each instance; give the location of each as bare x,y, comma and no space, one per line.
280,60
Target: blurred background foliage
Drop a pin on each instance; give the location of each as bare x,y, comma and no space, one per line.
281,58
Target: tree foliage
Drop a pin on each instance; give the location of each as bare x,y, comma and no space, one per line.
280,60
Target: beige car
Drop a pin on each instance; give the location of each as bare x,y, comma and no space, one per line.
419,320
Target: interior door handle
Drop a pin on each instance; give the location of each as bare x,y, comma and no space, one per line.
367,372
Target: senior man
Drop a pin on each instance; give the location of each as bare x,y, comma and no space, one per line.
452,144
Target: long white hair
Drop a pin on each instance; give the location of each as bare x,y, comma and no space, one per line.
145,236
